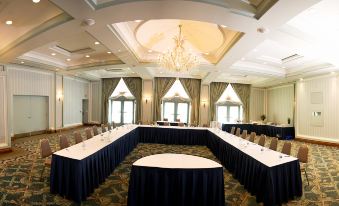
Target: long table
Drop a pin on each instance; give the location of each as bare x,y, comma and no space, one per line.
269,130
273,177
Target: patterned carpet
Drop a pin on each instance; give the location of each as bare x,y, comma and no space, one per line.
20,176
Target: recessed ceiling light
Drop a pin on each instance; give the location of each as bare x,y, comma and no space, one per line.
161,72
109,52
22,62
138,21
206,53
68,60
9,22
119,50
36,1
87,56
150,51
332,72
96,43
53,54
283,67
301,79
223,26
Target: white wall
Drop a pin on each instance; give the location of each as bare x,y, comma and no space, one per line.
3,111
94,112
329,87
204,104
258,103
75,90
147,93
58,101
280,104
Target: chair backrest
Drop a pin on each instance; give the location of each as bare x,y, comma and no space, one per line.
232,130
45,149
166,124
109,127
237,133
274,144
303,154
103,128
77,137
177,120
205,125
181,124
286,149
89,133
252,136
262,140
114,125
165,119
95,130
63,142
244,134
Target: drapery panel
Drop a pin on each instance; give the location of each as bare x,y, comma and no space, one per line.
134,84
244,91
216,90
108,86
192,88
161,87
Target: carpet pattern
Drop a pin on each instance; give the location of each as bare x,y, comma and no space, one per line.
20,182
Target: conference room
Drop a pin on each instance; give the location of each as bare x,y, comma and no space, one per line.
169,103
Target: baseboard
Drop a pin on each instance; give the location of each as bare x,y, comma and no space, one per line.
317,141
6,150
28,134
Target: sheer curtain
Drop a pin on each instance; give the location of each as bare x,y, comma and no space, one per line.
216,90
193,87
108,86
243,91
161,87
134,85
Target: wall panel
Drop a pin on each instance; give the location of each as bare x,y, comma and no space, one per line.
257,103
95,103
3,109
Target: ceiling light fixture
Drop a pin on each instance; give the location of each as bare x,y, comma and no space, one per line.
68,60
138,21
223,26
53,54
36,1
178,59
150,51
9,22
109,52
301,79
87,56
22,62
96,43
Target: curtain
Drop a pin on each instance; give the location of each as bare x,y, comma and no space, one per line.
243,91
161,87
134,85
108,86
193,87
216,90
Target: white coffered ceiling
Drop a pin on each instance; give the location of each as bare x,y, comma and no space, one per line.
259,42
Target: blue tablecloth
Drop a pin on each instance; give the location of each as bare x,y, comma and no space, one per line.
151,186
161,123
269,130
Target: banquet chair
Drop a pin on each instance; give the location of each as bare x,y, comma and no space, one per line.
232,130
262,140
303,159
89,133
166,124
244,134
165,119
286,149
109,127
274,144
103,128
204,125
177,120
114,125
63,142
77,137
45,151
237,133
95,130
181,124
252,136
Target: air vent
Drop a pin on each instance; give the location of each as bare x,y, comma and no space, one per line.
291,58
83,51
238,75
114,70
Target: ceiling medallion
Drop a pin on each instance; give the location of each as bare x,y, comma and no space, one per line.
178,60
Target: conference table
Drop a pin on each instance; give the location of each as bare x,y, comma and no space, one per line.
282,132
161,123
176,179
274,178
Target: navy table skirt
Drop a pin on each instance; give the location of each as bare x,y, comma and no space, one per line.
269,130
151,186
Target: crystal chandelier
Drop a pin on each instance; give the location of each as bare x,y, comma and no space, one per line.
178,59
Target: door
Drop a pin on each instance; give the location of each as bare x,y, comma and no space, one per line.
85,111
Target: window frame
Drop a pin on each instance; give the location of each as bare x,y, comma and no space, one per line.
122,100
176,101
228,105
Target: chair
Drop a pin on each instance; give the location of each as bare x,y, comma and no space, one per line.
204,125
114,125
237,133
274,144
103,128
45,151
63,142
244,134
109,127
232,130
77,137
252,136
166,124
95,130
262,140
177,120
165,119
181,124
286,149
303,158
89,133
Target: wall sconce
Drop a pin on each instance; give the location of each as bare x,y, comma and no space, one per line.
59,95
204,103
147,99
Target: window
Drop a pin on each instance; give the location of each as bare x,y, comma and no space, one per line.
122,105
176,104
229,107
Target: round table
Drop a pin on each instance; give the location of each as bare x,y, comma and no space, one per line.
176,179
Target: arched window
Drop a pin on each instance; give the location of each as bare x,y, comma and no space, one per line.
229,107
122,105
176,104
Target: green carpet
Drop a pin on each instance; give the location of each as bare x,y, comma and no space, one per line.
20,176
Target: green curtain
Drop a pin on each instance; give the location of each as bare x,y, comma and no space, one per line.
108,86
161,87
216,90
243,91
134,85
193,87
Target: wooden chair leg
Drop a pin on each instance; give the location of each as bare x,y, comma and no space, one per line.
308,183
